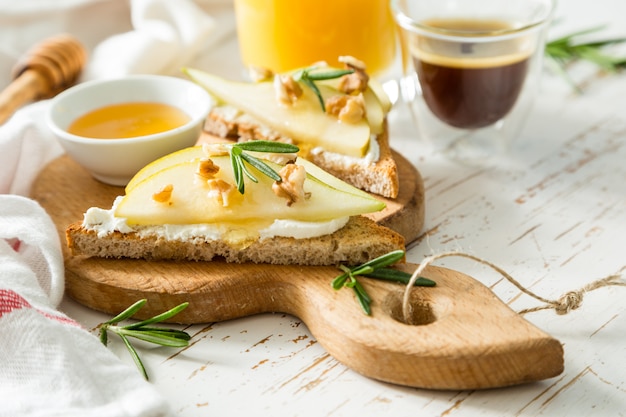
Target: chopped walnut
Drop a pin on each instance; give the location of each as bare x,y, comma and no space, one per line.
221,190
281,158
287,89
320,64
348,109
358,80
292,185
164,195
352,62
207,168
258,74
214,149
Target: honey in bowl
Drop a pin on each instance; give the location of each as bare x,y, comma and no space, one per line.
471,84
128,120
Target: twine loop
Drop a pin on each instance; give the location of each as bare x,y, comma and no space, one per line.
569,301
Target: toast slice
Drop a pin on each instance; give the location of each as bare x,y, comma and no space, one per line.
359,241
197,205
348,137
377,177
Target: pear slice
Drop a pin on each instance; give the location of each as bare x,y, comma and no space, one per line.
320,175
187,154
304,121
374,112
191,203
378,89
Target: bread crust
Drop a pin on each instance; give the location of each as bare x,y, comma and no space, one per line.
379,177
359,241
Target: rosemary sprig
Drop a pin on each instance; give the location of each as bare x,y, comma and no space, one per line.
238,155
141,330
568,48
376,268
309,75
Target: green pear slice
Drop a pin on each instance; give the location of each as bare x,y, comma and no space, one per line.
379,91
187,154
304,121
320,175
192,204
374,112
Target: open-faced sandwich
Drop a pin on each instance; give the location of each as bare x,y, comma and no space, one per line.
337,117
246,202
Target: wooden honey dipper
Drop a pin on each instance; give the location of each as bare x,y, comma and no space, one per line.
44,71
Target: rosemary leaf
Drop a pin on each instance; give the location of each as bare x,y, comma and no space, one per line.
339,281
269,146
167,332
156,337
568,49
261,166
363,302
384,260
160,317
238,157
141,330
361,291
362,270
135,356
104,338
308,76
129,312
235,163
375,268
309,83
390,274
328,75
245,169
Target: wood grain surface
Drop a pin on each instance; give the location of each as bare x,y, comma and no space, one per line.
465,338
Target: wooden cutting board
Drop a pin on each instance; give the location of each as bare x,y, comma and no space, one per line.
465,338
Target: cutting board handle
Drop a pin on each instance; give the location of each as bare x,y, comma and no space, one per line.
464,336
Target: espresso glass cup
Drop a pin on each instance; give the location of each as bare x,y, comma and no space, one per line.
471,70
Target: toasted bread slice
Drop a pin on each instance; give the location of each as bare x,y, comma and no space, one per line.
359,241
378,177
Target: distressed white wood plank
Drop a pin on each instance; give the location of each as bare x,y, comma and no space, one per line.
553,216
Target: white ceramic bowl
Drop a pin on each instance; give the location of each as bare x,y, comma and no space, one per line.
115,161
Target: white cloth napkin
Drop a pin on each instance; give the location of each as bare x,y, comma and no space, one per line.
166,34
49,365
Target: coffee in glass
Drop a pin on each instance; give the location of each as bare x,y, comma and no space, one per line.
471,69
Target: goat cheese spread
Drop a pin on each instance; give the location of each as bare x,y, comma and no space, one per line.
104,222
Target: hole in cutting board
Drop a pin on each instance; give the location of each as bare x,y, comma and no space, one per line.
422,312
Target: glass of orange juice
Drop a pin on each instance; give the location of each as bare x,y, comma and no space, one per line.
282,35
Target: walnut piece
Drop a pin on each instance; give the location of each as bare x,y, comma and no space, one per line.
207,168
221,190
258,74
164,195
348,109
352,62
287,89
292,185
358,80
281,158
214,149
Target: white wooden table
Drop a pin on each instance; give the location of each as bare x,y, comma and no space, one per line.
553,215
